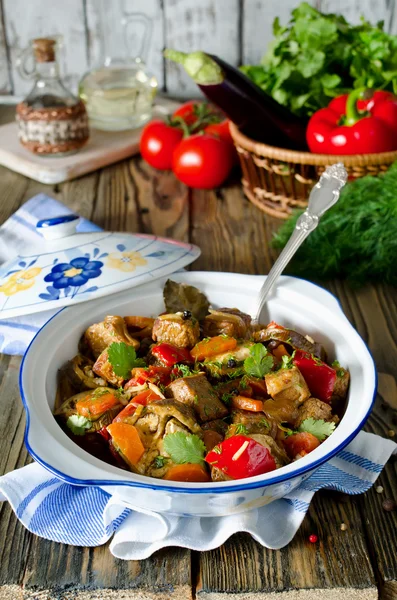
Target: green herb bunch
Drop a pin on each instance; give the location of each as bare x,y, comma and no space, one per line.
319,56
356,239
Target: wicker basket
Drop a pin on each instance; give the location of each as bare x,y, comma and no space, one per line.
278,180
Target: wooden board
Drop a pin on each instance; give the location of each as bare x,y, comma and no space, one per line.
103,148
357,564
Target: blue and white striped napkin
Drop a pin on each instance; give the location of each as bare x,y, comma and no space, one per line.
90,516
18,231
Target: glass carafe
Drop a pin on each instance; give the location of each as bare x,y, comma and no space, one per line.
119,94
51,120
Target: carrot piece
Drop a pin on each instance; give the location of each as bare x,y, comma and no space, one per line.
301,443
187,472
280,351
140,322
215,345
126,441
92,406
211,438
243,403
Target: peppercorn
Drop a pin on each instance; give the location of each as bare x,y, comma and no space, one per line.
231,363
186,315
313,538
389,505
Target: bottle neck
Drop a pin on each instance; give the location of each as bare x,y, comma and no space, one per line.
47,70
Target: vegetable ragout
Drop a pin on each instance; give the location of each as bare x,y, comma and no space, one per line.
198,394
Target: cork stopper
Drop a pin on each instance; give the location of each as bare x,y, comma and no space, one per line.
44,49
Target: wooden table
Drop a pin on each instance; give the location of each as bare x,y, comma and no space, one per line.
359,563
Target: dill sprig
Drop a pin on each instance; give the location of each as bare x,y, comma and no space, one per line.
356,239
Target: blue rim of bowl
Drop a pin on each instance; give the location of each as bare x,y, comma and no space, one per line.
207,490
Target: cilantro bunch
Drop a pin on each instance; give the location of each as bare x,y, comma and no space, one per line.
319,56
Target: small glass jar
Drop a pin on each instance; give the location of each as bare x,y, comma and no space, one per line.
51,120
119,93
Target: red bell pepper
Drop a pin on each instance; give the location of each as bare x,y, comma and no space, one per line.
170,355
240,456
153,374
355,124
319,377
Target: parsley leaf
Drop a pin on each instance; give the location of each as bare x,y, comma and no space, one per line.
123,359
259,362
78,424
184,371
318,427
184,448
286,362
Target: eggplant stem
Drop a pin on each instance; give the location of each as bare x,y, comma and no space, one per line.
198,65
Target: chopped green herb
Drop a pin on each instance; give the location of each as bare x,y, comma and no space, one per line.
264,422
286,362
184,448
196,399
217,449
184,371
240,429
227,397
159,462
259,362
335,364
318,427
123,359
78,424
340,372
244,383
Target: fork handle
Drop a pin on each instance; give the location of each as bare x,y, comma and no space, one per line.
304,226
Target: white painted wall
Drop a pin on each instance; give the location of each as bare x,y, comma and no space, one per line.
237,30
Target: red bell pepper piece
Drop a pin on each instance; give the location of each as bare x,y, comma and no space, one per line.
319,377
154,374
144,398
240,456
104,433
354,124
170,355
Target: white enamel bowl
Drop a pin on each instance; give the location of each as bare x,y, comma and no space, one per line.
296,303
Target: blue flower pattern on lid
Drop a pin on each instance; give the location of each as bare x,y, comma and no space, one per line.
75,273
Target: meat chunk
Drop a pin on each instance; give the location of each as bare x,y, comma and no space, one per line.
254,422
274,333
287,385
279,454
218,365
217,425
112,329
314,409
104,369
197,392
341,385
173,329
227,321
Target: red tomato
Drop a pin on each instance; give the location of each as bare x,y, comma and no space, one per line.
220,130
193,110
158,142
202,161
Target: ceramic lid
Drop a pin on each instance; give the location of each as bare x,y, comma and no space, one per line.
68,267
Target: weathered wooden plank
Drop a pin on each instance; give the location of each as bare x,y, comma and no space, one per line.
258,20
162,201
374,313
108,36
27,20
380,10
5,83
210,25
230,231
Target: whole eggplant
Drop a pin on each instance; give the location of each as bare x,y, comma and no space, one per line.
254,112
